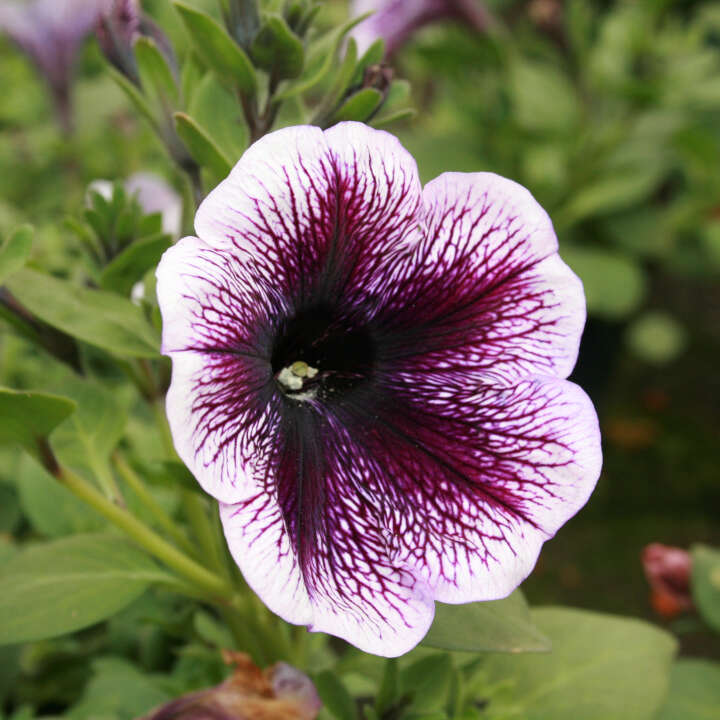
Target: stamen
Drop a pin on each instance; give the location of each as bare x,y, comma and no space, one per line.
294,380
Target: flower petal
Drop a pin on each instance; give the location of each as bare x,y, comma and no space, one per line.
485,290
311,215
483,475
371,518
319,555
220,404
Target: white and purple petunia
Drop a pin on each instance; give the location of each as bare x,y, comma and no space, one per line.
370,377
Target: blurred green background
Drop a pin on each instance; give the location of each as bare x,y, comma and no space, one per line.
609,112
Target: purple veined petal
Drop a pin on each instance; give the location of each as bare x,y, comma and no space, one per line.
220,404
346,584
448,501
313,215
495,471
485,291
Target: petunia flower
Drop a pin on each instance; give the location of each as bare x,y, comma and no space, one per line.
396,20
51,33
369,377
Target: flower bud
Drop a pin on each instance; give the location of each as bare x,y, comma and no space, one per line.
120,25
667,570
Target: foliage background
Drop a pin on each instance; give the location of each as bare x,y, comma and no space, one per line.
609,112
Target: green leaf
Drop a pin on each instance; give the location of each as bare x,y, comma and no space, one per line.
218,50
118,690
53,511
359,106
543,98
706,583
190,77
614,284
133,262
242,18
343,77
28,417
64,585
277,50
427,682
656,338
15,251
694,691
155,74
320,59
135,96
387,119
201,146
372,56
620,189
495,626
88,436
335,696
102,319
172,474
216,109
211,631
10,514
601,667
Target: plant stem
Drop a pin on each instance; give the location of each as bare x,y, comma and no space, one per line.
148,499
209,582
158,408
204,532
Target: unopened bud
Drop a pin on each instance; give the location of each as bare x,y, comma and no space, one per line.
119,26
667,570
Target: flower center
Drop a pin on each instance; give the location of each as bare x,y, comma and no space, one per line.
297,380
317,354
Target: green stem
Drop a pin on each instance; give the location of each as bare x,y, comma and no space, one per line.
147,498
158,408
245,638
104,475
203,531
209,582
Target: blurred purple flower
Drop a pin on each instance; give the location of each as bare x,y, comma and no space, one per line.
370,378
396,20
51,32
121,23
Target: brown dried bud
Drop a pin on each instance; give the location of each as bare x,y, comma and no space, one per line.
277,693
